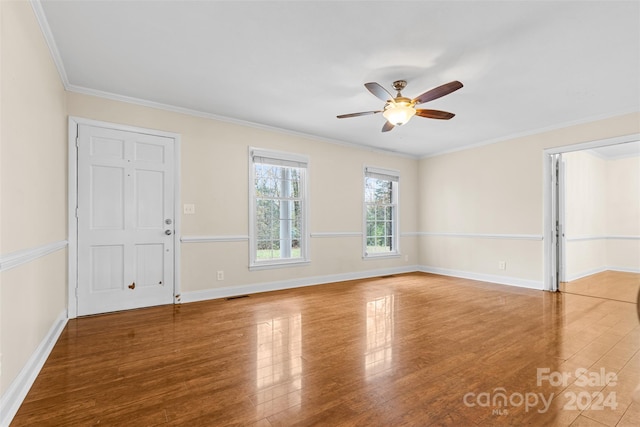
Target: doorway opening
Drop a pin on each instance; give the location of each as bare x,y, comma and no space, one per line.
592,218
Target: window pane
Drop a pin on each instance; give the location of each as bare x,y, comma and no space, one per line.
383,194
369,192
296,221
371,226
294,183
371,212
380,211
377,190
267,181
278,215
290,248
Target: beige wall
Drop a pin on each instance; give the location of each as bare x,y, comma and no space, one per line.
585,214
495,190
586,194
602,214
623,196
33,171
623,199
215,177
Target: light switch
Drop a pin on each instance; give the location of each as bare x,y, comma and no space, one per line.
189,209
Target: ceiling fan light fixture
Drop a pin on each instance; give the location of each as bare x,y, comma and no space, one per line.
399,113
398,110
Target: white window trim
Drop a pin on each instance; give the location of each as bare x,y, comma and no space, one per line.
394,175
287,159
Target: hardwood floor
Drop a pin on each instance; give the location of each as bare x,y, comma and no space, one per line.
608,284
413,349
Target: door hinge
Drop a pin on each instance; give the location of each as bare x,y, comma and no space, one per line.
76,292
77,210
77,138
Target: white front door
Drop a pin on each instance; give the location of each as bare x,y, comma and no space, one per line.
125,220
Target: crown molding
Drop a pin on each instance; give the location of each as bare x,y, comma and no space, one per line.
36,5
537,131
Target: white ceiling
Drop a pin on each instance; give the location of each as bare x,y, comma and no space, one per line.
618,151
527,66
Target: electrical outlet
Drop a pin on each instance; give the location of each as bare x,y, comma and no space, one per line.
406,258
502,265
189,209
220,275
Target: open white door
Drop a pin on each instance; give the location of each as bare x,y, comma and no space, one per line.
553,268
561,219
125,220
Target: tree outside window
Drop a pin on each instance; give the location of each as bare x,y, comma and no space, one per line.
380,204
278,208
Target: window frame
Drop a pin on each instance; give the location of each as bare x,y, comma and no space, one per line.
278,158
394,177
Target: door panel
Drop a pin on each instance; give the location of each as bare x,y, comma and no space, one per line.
150,199
107,198
149,153
107,268
149,265
125,204
107,148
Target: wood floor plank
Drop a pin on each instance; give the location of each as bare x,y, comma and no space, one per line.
621,286
411,349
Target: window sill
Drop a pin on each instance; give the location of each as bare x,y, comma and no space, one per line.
381,256
269,265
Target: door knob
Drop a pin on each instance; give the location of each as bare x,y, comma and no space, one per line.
132,286
167,232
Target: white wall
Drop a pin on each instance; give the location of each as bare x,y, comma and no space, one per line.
484,205
602,214
33,170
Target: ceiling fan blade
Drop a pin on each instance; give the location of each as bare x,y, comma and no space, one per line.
387,127
379,91
435,114
364,113
438,92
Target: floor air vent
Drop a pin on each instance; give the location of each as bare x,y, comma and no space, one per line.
237,297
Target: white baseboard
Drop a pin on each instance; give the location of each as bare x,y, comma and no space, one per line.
13,397
230,291
501,280
601,270
624,269
580,275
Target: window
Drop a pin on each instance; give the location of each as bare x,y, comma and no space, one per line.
380,212
278,227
